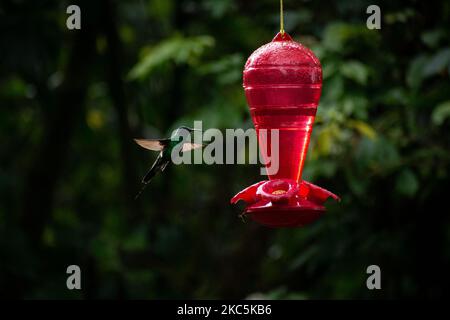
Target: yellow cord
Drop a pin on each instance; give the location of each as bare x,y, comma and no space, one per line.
281,18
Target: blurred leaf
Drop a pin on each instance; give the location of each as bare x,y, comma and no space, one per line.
303,258
406,183
127,34
440,113
363,128
13,87
356,71
334,88
294,18
338,36
415,72
176,49
324,141
101,44
400,16
377,154
433,37
355,105
323,168
227,69
395,96
137,240
437,63
355,183
95,119
219,8
48,236
328,70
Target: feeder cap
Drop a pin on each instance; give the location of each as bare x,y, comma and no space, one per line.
282,51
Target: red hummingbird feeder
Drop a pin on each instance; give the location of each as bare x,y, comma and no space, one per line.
283,83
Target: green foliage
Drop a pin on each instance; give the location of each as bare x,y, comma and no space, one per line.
356,71
407,183
440,113
177,49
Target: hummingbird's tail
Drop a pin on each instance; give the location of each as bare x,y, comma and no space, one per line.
144,185
158,166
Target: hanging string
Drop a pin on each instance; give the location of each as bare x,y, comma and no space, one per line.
281,18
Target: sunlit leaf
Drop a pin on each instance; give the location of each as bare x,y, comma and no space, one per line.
95,119
440,113
177,49
437,63
363,128
324,141
400,16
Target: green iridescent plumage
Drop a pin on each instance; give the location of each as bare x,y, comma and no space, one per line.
165,148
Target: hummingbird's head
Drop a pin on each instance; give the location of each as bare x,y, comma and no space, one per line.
179,131
188,129
182,128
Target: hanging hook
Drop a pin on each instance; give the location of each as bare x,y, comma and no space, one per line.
281,18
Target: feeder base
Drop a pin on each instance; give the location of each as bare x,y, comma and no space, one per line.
288,215
284,202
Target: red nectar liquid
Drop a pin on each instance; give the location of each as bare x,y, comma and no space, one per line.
283,83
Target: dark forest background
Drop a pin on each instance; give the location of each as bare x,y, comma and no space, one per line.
71,102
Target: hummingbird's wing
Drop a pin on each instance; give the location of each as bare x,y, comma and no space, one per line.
187,146
152,144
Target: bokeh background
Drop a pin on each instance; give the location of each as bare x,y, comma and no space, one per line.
71,102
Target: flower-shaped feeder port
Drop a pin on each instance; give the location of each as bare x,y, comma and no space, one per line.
284,202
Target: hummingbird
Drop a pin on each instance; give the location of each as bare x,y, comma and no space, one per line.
165,147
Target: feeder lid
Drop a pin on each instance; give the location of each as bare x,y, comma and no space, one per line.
282,51
282,61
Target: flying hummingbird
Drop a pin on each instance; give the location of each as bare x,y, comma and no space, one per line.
165,147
